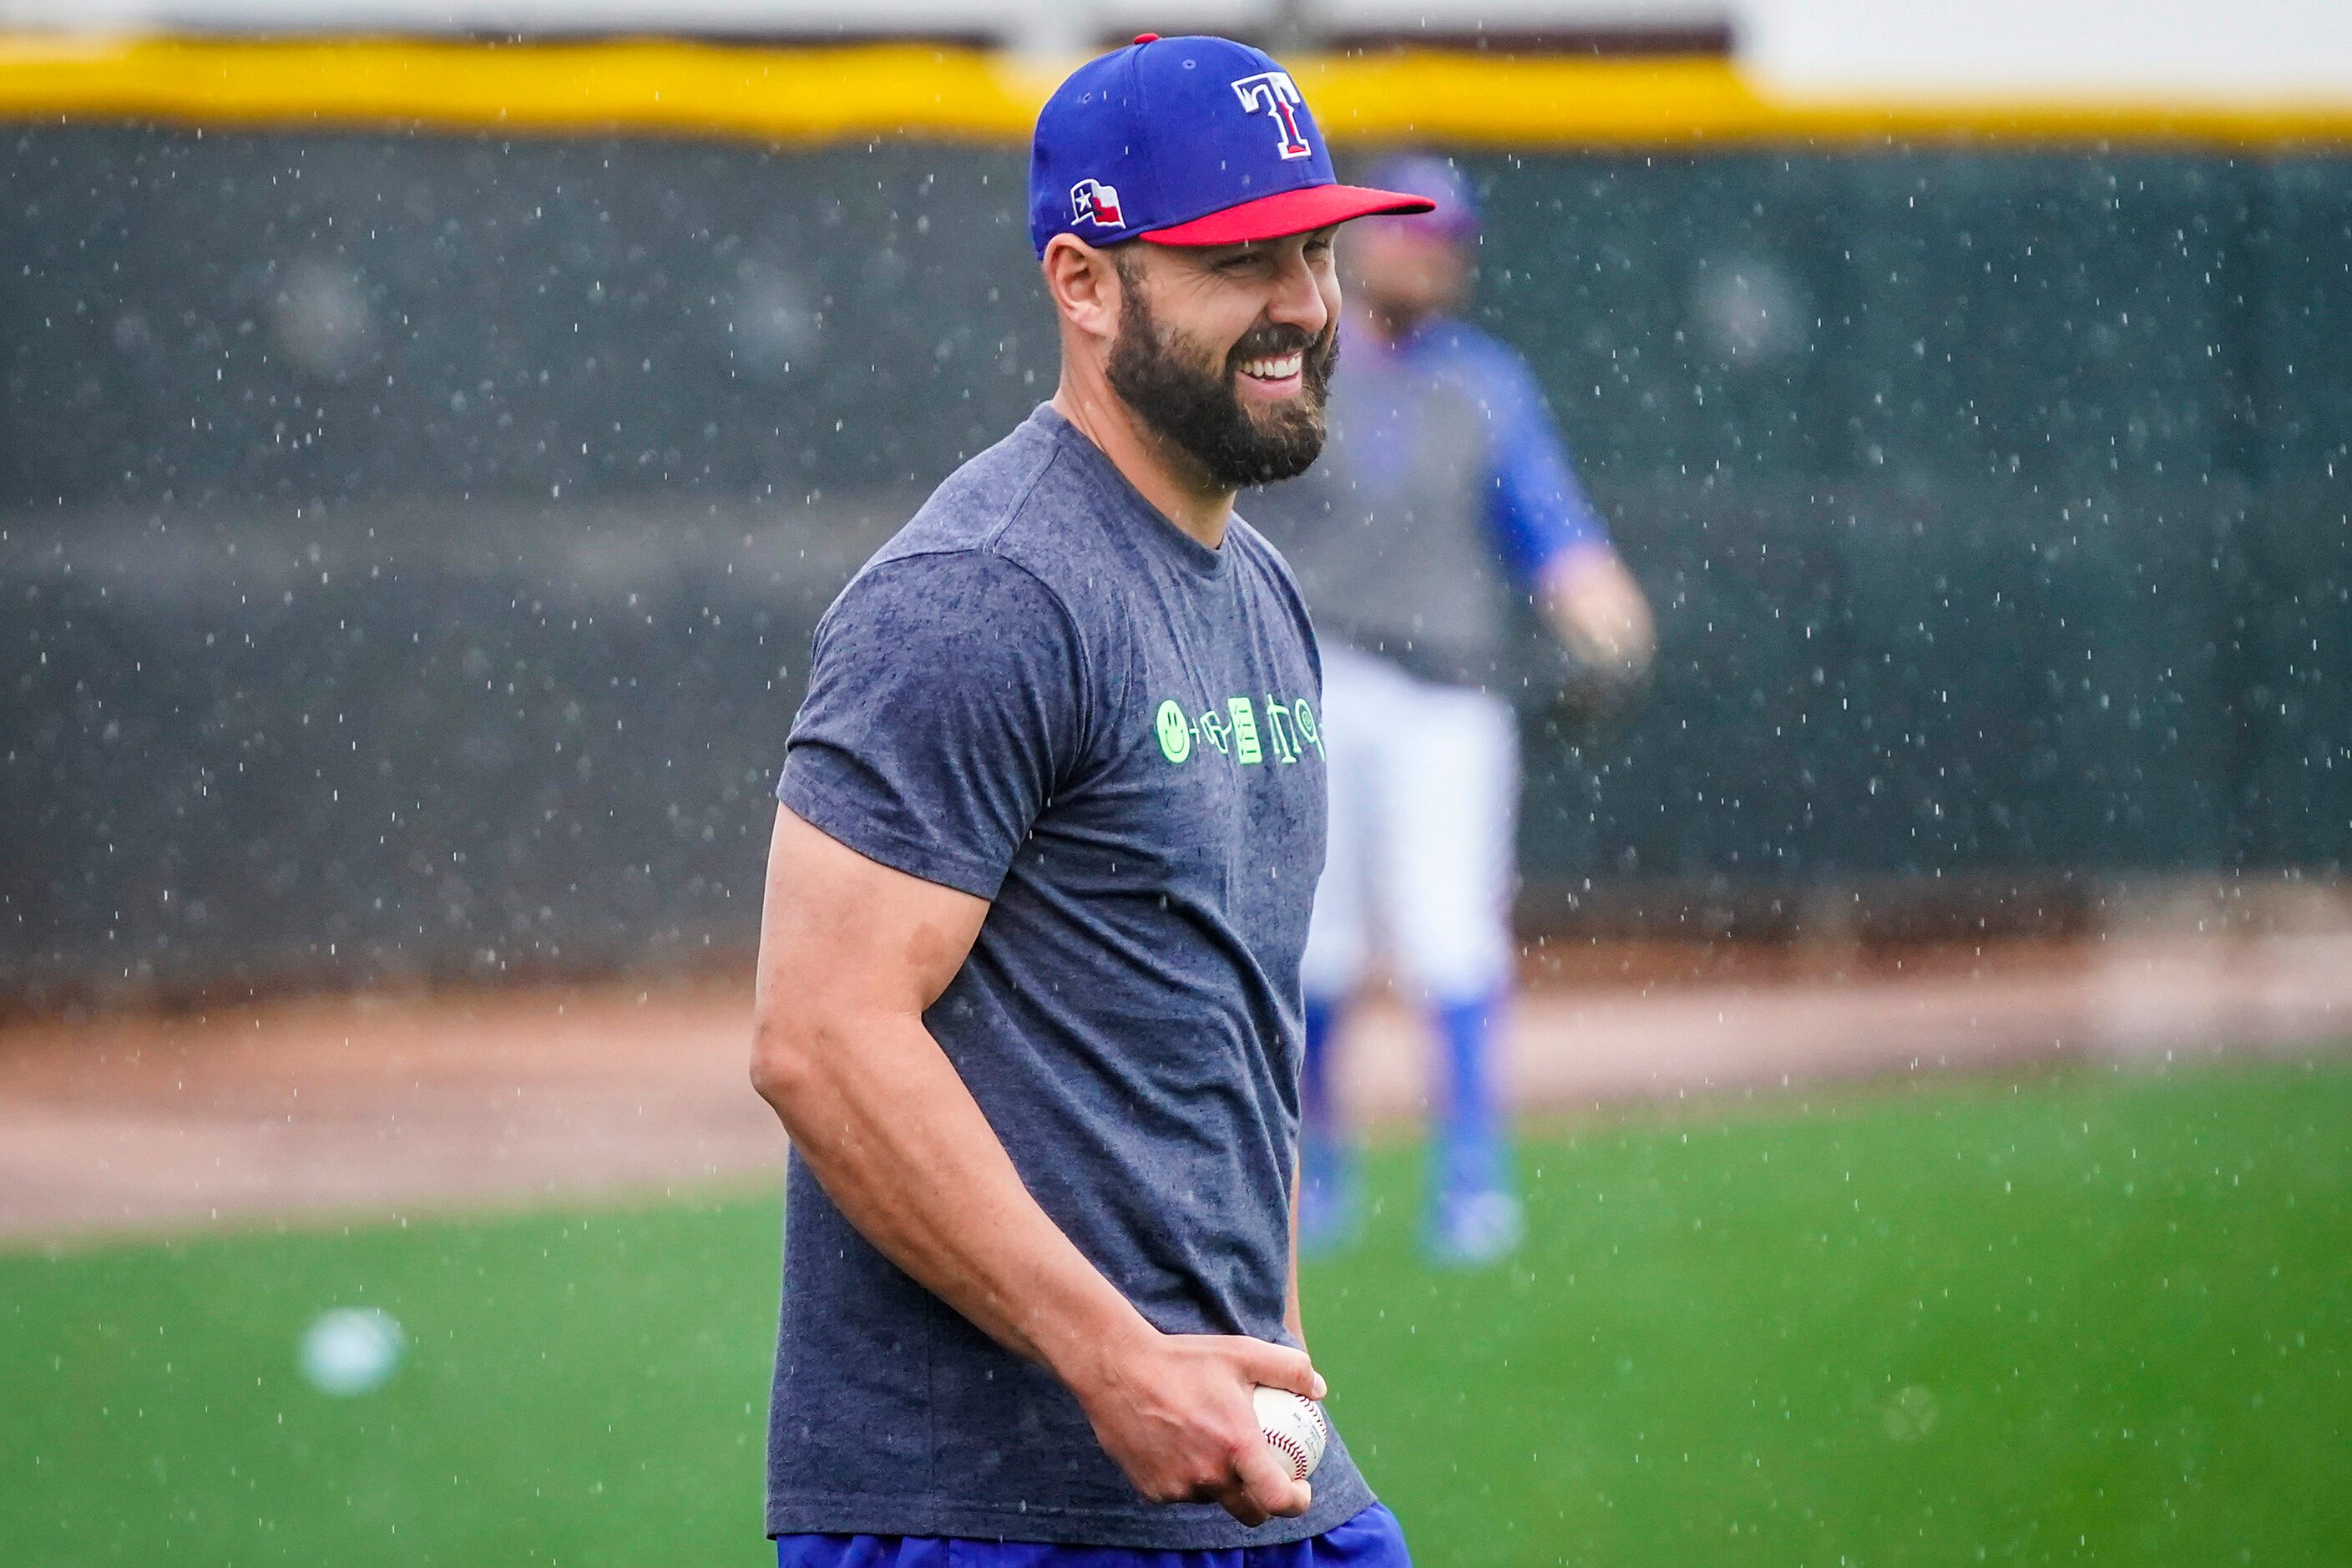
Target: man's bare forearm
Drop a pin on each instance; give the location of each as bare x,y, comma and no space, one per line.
885,1123
1596,609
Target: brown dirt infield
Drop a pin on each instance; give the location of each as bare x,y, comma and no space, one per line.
377,1104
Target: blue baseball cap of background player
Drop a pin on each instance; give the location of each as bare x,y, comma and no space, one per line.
1190,140
1454,211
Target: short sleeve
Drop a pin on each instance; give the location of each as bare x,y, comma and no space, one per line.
1537,507
945,703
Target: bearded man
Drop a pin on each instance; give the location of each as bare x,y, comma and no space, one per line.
1051,817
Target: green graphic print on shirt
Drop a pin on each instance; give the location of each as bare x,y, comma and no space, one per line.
1236,733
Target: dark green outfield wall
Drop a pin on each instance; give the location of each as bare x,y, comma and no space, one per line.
409,545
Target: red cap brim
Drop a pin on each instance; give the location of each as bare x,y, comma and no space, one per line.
1288,213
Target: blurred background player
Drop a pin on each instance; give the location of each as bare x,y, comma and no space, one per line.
1445,496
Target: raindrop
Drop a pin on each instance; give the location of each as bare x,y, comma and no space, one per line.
322,321
1748,311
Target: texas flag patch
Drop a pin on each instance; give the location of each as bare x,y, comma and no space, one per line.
1093,202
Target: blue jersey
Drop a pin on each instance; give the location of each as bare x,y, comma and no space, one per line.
1534,508
1444,493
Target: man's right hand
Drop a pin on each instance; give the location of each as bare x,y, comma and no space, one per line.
1174,1411
1596,610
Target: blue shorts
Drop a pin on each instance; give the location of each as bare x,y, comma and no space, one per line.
1371,1540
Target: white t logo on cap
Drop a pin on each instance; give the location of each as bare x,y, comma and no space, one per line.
1273,93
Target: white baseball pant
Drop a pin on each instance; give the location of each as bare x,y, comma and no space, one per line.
1424,786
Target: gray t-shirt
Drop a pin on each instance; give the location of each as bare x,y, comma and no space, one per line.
1043,693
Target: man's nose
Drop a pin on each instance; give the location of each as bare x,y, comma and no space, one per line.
1297,299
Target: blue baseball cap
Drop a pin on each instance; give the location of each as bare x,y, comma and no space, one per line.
1192,141
1456,212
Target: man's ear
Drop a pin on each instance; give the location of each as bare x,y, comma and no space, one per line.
1084,285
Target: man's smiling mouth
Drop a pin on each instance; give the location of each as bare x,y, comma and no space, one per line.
1274,367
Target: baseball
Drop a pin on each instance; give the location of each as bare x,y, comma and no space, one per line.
1294,1428
351,1350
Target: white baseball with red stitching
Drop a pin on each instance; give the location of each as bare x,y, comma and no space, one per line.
1294,1428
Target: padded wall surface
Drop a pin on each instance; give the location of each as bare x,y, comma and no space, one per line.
410,543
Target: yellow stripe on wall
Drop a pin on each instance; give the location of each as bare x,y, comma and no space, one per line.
853,93
1499,101
786,95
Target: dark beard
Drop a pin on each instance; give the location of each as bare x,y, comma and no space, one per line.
1161,376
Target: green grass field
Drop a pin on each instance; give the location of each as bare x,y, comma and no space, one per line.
2099,1317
